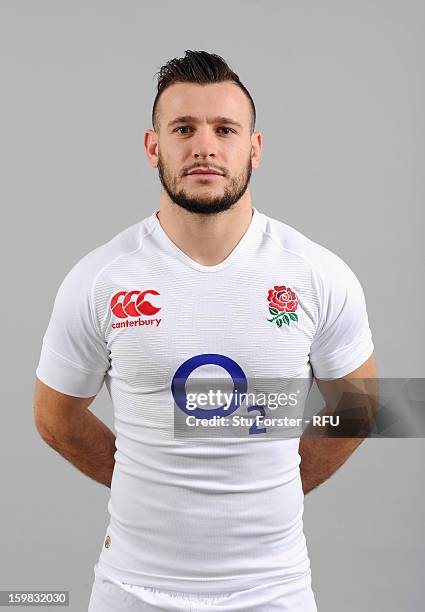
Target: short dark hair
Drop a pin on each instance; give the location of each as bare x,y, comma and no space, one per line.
197,67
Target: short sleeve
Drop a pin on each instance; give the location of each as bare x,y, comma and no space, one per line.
343,339
74,357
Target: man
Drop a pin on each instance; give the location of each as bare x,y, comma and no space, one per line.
206,284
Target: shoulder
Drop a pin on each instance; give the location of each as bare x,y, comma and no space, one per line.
326,266
90,266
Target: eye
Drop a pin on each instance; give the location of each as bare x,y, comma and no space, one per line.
226,128
183,127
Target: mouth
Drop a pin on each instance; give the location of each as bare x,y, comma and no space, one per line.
205,172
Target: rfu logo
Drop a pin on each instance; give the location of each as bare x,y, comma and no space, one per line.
126,304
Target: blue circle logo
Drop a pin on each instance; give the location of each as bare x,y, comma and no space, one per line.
178,384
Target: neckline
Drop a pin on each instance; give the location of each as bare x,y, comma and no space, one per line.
245,240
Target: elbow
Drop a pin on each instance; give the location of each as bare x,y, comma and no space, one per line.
41,428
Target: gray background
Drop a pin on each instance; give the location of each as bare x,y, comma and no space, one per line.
339,90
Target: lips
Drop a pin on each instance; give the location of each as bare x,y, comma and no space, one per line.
211,171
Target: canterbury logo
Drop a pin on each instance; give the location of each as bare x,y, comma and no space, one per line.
126,304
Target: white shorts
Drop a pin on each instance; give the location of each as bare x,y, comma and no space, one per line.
110,595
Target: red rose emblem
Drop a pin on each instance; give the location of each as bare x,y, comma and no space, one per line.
282,304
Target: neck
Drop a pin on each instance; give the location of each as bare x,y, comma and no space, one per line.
207,239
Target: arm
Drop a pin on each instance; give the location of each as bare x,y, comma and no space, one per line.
65,423
322,456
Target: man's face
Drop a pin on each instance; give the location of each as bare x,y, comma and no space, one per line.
204,127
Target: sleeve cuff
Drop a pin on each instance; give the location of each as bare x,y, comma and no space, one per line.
66,377
344,360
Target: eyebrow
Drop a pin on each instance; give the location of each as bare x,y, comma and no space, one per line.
190,118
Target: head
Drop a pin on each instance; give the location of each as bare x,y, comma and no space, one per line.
203,118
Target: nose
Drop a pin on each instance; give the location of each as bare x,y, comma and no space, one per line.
204,143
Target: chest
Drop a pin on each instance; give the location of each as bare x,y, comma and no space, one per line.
262,319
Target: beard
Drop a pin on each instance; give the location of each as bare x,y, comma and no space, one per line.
205,204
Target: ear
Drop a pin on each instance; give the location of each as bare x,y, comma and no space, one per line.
256,148
150,141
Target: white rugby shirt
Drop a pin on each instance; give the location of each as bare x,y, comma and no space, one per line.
220,514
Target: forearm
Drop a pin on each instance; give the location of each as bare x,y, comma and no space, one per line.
323,450
87,443
321,457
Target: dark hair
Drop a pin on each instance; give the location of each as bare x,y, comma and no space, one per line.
197,67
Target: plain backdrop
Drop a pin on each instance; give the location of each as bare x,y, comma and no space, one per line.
339,90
